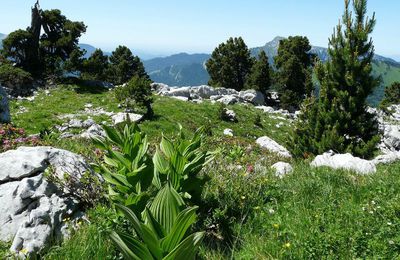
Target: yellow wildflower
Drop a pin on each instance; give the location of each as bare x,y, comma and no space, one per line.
287,245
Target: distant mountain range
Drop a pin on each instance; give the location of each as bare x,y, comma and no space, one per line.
189,69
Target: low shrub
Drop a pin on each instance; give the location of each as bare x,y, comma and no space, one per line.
12,137
17,80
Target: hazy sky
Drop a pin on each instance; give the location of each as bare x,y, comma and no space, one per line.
169,26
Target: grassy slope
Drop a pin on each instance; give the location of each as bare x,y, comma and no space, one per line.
318,213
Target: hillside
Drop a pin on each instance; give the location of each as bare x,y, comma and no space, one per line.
308,213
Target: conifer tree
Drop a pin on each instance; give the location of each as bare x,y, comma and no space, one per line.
230,64
294,71
339,120
260,76
392,95
94,68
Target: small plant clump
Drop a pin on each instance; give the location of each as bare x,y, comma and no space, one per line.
12,137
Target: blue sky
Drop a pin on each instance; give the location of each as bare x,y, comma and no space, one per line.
165,27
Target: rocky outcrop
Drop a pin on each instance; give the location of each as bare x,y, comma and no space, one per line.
33,210
344,161
4,107
229,115
282,169
223,95
267,143
123,117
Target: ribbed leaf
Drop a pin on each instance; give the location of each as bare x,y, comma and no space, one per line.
183,222
152,242
113,135
152,223
166,207
130,247
167,147
187,249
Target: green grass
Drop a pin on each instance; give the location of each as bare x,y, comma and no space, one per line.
248,214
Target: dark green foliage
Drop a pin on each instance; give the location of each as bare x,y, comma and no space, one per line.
338,120
95,67
392,95
75,61
124,65
294,71
60,39
230,64
136,93
57,46
260,76
15,78
16,47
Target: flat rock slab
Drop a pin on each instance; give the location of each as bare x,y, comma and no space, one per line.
32,209
267,143
344,161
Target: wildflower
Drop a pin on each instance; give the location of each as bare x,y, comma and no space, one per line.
373,202
371,212
257,208
389,223
271,211
276,226
24,251
250,169
243,197
391,242
363,208
287,245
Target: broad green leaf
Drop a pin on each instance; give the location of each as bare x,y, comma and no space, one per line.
187,249
112,135
167,147
152,223
183,222
166,207
130,247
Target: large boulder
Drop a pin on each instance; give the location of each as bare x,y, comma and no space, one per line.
205,91
228,100
344,161
253,96
33,210
178,92
267,143
4,107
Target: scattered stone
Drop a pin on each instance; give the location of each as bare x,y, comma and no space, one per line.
267,143
75,123
344,161
123,117
229,115
228,100
88,123
32,209
266,109
282,169
391,137
4,107
228,132
387,158
252,96
94,131
66,135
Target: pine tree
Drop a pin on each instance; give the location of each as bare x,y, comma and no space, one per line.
94,68
124,65
230,64
339,120
260,76
294,71
392,95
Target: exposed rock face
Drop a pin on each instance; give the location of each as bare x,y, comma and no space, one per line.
32,209
391,137
282,169
123,117
267,143
223,95
94,131
344,161
4,107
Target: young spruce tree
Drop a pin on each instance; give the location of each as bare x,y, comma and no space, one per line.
260,76
338,120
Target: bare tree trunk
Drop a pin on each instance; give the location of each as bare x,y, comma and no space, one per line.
36,25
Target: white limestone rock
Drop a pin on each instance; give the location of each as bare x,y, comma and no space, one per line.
32,209
123,117
252,96
228,132
267,143
282,169
344,161
228,100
